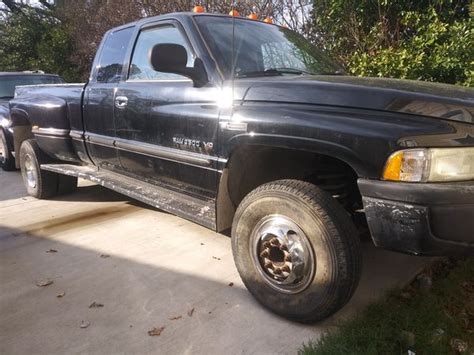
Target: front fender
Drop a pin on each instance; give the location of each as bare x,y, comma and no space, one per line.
318,146
363,139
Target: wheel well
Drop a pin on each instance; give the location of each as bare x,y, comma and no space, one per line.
252,166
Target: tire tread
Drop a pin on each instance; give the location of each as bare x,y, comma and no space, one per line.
346,244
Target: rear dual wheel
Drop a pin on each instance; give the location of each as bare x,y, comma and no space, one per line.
7,161
41,183
296,250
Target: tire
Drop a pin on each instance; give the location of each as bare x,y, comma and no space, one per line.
286,217
7,161
66,184
39,183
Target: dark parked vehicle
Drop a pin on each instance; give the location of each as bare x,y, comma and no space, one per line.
8,82
267,138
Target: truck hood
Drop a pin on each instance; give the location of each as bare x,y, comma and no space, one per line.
415,97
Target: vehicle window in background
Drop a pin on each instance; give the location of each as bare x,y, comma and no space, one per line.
140,68
9,82
260,47
112,56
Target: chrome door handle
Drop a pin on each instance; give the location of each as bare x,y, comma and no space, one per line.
121,101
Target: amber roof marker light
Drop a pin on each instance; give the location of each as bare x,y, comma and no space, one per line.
268,20
234,13
199,9
253,16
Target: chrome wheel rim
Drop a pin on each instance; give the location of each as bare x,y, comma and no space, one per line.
30,171
282,254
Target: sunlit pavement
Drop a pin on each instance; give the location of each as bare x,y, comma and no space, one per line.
148,269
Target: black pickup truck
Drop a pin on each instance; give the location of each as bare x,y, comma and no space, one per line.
242,125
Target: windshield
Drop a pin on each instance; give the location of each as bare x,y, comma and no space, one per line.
9,82
261,49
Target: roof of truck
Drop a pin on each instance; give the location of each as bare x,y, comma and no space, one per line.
180,15
8,73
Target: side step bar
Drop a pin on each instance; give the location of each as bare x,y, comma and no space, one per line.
199,211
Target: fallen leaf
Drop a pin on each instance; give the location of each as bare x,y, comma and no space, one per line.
231,284
51,251
156,332
176,318
44,283
96,305
104,256
458,345
190,312
85,324
215,257
202,243
61,295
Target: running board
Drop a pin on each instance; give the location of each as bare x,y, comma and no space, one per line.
189,207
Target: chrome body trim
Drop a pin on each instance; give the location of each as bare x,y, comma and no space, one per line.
51,132
164,152
75,134
131,146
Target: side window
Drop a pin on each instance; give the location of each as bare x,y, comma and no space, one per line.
113,55
140,68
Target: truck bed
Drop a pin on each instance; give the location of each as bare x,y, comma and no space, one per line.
51,111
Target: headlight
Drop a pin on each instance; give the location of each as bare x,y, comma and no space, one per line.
430,165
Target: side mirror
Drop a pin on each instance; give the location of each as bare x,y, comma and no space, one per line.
172,58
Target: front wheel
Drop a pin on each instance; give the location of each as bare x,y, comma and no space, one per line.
296,250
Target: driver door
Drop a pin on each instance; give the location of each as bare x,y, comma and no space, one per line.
167,128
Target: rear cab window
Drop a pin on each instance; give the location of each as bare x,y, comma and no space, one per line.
112,56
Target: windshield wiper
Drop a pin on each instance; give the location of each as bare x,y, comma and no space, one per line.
337,72
6,97
271,72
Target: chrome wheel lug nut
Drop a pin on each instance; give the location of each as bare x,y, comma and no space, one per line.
268,264
277,271
288,258
275,242
286,268
265,254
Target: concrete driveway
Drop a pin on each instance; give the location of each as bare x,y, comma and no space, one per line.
148,269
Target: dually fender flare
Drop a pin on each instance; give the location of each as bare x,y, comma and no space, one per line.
19,117
39,110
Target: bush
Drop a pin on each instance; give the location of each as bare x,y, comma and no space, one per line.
403,39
